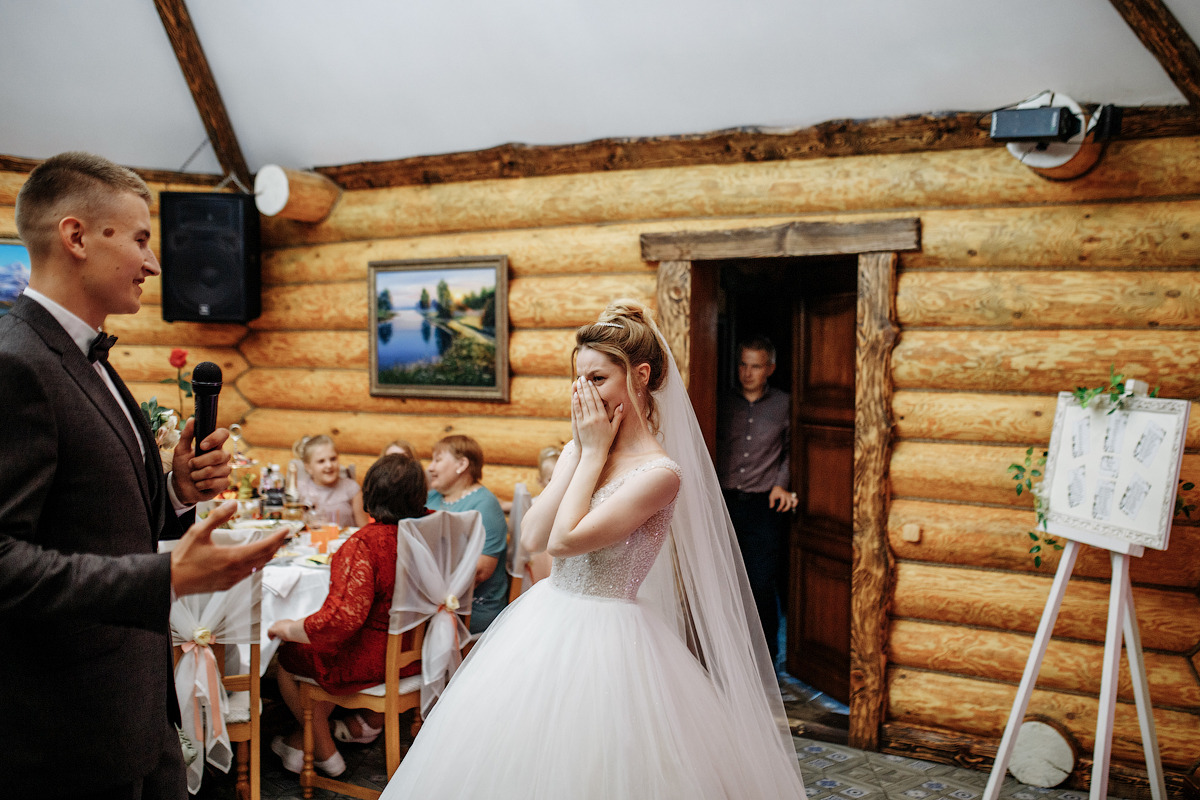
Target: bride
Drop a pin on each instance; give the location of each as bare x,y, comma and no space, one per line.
638,669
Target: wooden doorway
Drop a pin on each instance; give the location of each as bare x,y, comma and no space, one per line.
688,321
806,307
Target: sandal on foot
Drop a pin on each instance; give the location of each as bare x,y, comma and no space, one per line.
293,759
341,731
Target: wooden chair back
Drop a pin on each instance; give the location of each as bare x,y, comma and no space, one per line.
246,733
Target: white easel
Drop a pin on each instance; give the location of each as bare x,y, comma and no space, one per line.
1122,626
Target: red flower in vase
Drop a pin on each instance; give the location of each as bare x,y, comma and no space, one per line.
178,358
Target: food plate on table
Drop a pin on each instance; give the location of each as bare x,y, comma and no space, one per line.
244,531
283,556
316,560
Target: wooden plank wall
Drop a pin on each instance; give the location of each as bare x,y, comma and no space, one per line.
1022,287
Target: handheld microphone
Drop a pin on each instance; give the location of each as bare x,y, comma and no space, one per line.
206,385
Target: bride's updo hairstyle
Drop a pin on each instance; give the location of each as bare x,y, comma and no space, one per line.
627,335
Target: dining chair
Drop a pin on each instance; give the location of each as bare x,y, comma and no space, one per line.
519,574
436,557
219,704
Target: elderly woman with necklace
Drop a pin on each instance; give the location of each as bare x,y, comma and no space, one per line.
454,475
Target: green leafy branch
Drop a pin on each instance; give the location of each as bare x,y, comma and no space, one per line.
1181,507
1028,476
1115,391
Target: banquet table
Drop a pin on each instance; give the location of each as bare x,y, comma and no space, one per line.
290,591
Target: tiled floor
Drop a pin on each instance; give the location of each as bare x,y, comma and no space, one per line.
836,771
831,769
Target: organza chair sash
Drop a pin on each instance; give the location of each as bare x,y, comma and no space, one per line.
518,559
199,621
436,557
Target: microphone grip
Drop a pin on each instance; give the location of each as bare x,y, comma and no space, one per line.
206,418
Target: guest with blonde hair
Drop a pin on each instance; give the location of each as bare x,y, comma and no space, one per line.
402,446
323,486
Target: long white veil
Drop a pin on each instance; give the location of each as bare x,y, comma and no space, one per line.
699,582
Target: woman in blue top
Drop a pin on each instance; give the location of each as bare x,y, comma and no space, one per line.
454,475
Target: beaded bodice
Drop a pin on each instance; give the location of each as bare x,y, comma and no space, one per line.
618,570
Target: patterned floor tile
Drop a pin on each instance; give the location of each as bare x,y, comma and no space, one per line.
831,772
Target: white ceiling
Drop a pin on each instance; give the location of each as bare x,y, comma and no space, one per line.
324,82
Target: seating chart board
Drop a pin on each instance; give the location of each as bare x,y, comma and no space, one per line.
1114,472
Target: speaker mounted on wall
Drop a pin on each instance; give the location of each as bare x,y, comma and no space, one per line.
210,257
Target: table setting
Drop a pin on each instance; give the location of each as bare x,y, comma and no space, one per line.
295,581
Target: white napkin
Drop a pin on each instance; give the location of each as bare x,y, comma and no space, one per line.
280,581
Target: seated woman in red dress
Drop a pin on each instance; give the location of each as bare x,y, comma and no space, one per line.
343,645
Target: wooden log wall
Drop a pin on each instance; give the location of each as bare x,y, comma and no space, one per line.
1022,287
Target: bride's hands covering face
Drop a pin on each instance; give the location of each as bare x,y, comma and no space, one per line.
591,426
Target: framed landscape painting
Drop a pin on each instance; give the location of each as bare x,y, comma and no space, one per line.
439,327
14,272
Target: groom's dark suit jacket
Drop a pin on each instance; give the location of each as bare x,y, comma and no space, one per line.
85,657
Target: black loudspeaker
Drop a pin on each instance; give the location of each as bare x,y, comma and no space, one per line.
210,257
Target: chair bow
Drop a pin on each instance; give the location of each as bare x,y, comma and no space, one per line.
436,557
518,559
198,622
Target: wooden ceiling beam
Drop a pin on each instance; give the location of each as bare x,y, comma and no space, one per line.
178,24
1154,24
952,131
9,163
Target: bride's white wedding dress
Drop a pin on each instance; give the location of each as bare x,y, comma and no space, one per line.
578,690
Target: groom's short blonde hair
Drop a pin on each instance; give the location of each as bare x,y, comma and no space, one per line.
69,184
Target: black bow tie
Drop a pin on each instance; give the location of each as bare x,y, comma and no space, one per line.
100,347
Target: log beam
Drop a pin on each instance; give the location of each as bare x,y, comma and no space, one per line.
674,296
978,752
952,131
232,408
26,165
969,473
1046,361
830,140
148,327
992,418
349,390
1158,29
150,363
997,538
1034,299
516,442
177,22
1068,666
980,708
792,239
1169,618
871,570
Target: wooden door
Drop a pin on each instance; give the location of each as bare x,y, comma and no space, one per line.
821,555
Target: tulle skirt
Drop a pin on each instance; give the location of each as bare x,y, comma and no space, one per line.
571,696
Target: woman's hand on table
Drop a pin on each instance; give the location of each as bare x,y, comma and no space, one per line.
288,630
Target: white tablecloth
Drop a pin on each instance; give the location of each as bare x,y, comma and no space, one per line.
290,591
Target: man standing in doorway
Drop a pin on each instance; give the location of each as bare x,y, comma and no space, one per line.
755,471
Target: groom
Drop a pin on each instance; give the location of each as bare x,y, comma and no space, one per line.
86,692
